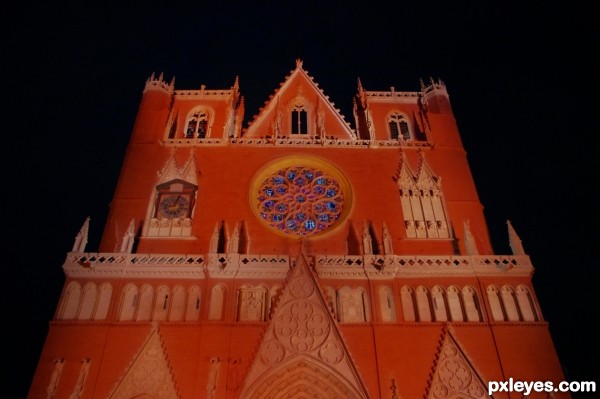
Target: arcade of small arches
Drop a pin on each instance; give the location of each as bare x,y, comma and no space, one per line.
256,303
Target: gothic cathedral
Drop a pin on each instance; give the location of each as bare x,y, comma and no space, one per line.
294,256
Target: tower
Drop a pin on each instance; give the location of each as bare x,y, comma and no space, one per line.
294,257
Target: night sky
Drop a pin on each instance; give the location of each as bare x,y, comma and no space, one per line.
521,81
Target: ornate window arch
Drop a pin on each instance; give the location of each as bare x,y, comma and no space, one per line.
197,124
300,114
399,126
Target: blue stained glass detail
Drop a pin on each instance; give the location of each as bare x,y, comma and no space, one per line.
309,224
323,217
292,225
300,200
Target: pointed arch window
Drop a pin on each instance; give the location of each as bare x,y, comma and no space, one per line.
398,127
197,125
299,119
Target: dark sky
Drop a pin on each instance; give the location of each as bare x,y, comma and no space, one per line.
521,80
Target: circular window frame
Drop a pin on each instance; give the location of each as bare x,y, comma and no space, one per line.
301,161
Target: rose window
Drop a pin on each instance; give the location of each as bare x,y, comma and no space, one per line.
300,200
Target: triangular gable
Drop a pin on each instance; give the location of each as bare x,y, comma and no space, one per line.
149,374
302,353
405,178
453,375
171,170
426,180
299,91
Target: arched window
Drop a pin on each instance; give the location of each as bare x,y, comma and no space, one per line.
495,301
386,304
408,303
399,127
71,302
423,304
197,125
129,302
193,304
144,310
439,303
510,304
217,303
471,303
88,302
455,304
299,119
177,304
526,304
103,303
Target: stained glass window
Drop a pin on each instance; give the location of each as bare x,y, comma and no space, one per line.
300,200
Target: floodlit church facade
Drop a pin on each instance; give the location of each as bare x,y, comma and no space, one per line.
298,256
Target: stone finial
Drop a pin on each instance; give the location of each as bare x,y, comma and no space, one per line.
514,241
470,243
82,237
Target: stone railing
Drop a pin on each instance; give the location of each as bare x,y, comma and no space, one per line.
79,264
294,142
